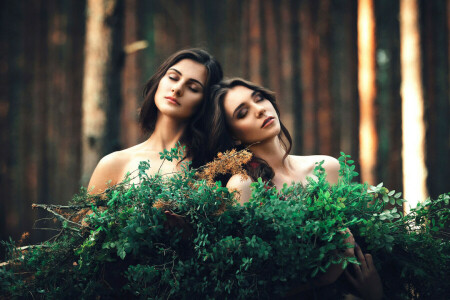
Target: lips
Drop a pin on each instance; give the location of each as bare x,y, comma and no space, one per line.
267,121
172,100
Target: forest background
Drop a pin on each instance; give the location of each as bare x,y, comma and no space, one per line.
72,72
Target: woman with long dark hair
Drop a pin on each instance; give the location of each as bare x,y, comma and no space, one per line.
247,116
175,102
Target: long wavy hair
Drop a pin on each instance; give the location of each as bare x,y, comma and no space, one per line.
194,136
220,132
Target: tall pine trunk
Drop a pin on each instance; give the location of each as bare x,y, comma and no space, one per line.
101,84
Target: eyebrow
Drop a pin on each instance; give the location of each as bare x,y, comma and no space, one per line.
242,104
191,79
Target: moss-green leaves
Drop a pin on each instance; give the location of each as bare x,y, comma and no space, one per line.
276,241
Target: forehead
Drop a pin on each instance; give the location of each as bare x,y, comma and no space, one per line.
235,97
191,70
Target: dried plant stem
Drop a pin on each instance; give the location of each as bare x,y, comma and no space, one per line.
49,208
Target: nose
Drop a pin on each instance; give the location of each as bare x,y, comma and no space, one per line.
260,110
177,89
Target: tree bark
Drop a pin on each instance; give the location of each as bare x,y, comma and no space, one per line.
436,87
101,84
325,116
255,47
286,93
389,164
130,77
307,62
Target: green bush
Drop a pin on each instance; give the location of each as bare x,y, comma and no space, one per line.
277,241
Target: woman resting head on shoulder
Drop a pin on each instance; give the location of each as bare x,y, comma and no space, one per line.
247,115
174,109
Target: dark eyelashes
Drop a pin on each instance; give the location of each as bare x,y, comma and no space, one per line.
193,89
259,97
241,114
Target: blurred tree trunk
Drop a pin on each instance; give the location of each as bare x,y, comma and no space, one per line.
4,124
101,84
245,40
12,179
344,77
255,42
368,137
413,126
131,76
272,47
325,116
40,107
434,44
389,124
307,62
146,30
232,59
287,65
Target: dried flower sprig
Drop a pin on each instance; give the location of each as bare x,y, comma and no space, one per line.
230,162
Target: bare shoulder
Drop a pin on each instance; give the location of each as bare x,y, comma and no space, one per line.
329,163
239,181
108,171
241,184
309,162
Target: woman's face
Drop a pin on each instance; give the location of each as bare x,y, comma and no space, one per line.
181,89
250,116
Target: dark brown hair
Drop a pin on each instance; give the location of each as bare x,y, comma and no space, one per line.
194,136
220,135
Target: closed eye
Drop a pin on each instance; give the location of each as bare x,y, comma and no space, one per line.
194,89
242,113
173,77
258,97
194,86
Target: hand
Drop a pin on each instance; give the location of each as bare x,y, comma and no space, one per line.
335,270
178,222
366,280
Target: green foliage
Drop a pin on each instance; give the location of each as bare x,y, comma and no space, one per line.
277,241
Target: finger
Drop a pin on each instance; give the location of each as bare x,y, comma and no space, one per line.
369,261
361,257
350,278
358,271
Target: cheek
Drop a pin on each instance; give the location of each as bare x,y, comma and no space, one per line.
162,83
243,130
194,106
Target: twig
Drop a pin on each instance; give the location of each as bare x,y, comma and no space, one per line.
32,246
44,228
55,206
58,216
2,264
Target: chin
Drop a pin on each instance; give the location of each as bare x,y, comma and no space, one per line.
172,113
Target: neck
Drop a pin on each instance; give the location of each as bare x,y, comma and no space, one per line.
168,132
272,152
